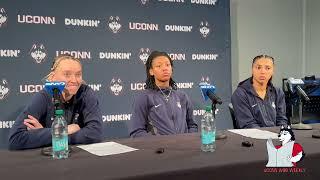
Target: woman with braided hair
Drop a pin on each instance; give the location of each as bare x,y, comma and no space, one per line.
161,109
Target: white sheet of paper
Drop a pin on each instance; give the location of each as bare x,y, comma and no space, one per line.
106,148
255,133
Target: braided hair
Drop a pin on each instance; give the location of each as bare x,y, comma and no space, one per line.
263,56
150,81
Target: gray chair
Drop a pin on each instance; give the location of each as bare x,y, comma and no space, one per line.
235,126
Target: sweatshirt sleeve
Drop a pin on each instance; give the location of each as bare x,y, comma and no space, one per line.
281,118
92,132
20,137
241,106
137,125
192,126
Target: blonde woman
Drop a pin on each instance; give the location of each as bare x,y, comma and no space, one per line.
32,128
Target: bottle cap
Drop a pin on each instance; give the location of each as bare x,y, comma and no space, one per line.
59,112
208,108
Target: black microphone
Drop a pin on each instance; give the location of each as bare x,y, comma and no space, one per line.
214,98
207,91
295,84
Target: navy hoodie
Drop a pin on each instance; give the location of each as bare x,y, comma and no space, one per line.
153,115
83,109
251,111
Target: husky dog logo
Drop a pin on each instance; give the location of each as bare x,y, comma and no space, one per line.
144,2
144,54
205,80
4,89
38,52
3,17
116,86
114,24
288,153
204,28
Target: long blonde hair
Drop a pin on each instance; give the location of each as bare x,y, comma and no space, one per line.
56,63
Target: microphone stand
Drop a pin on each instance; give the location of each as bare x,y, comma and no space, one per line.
219,134
300,125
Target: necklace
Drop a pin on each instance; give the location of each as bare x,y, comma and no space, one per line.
166,97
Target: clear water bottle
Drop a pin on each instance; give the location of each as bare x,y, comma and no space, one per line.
208,131
59,132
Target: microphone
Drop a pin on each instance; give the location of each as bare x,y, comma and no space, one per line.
207,92
55,89
303,94
295,84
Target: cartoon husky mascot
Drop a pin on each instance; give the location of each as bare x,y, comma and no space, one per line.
288,153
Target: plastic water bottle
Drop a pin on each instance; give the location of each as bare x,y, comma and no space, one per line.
59,131
208,131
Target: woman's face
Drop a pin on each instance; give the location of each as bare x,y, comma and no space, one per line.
161,69
262,70
70,72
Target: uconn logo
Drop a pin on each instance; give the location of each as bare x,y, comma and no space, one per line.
144,54
30,88
116,86
204,29
114,24
177,56
3,17
4,89
95,87
140,86
28,19
143,26
38,52
76,54
137,86
144,2
205,80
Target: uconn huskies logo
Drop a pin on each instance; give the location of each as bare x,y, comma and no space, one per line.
3,17
288,153
204,29
38,52
116,86
4,89
114,24
205,80
144,54
144,2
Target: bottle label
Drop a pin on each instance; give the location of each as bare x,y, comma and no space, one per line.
60,144
208,137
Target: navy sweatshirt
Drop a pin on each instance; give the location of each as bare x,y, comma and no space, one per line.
251,111
83,109
153,115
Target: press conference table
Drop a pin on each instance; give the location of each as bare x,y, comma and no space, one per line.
181,159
